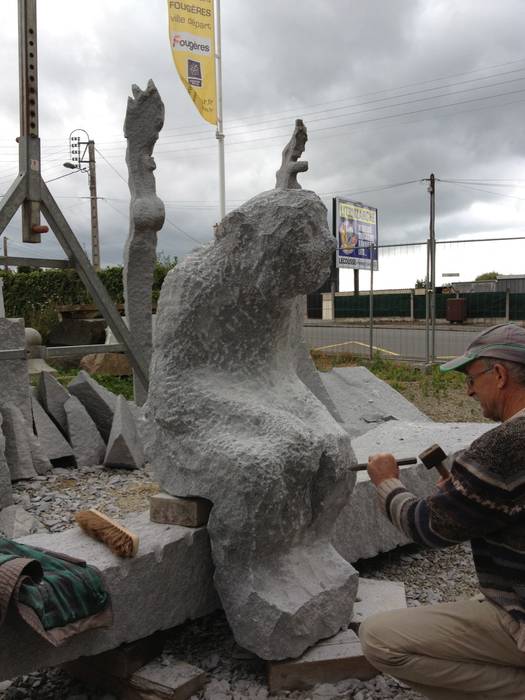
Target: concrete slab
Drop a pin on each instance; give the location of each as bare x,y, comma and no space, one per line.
52,395
167,583
98,402
14,377
124,447
329,661
53,443
16,522
362,529
17,446
88,446
364,401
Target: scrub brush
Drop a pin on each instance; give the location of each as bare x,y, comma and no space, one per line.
119,540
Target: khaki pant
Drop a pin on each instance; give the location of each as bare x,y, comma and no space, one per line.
450,651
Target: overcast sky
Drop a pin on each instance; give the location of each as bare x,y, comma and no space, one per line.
390,91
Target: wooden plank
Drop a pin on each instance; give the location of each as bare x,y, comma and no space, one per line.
329,661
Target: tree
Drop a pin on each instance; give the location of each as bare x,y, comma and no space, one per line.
420,284
487,276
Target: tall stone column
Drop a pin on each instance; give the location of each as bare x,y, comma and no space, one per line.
144,120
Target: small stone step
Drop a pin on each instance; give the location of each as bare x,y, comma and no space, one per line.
374,596
172,510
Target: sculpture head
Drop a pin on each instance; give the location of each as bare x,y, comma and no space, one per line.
284,232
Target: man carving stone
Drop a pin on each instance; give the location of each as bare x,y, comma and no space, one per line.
471,648
231,420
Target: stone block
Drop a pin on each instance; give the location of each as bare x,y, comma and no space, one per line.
14,377
374,596
15,522
153,681
364,401
115,364
6,491
329,661
88,446
53,443
98,402
124,447
17,445
167,583
76,331
188,512
362,529
175,681
52,395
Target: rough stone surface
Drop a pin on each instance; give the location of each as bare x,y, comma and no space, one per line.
14,377
16,522
98,402
41,462
114,363
173,564
53,396
124,447
286,176
230,420
17,445
87,443
144,120
364,401
362,529
53,443
6,492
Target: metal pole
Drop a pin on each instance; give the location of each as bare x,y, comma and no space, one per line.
427,307
220,125
432,190
6,266
28,139
371,304
95,244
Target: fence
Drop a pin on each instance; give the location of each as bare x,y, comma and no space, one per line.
418,324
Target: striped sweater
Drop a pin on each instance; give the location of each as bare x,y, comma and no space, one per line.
484,502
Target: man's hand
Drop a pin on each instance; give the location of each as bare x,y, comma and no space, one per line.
382,466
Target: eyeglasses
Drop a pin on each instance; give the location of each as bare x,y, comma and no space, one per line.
471,378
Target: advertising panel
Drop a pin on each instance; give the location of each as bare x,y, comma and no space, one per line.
356,234
191,29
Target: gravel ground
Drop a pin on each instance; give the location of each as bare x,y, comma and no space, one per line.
429,576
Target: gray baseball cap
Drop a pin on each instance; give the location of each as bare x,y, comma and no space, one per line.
503,342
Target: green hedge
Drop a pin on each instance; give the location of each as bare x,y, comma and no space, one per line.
35,295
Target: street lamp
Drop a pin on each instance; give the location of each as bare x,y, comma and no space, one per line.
75,145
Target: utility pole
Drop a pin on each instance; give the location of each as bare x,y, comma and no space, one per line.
6,266
93,203
431,277
77,160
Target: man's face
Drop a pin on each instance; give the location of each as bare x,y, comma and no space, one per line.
482,385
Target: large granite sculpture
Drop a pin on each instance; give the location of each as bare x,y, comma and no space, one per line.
231,419
144,120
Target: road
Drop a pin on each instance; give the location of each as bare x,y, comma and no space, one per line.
402,342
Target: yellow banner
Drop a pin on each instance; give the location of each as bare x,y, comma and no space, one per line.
192,41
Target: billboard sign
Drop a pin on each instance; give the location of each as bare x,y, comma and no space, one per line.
356,233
